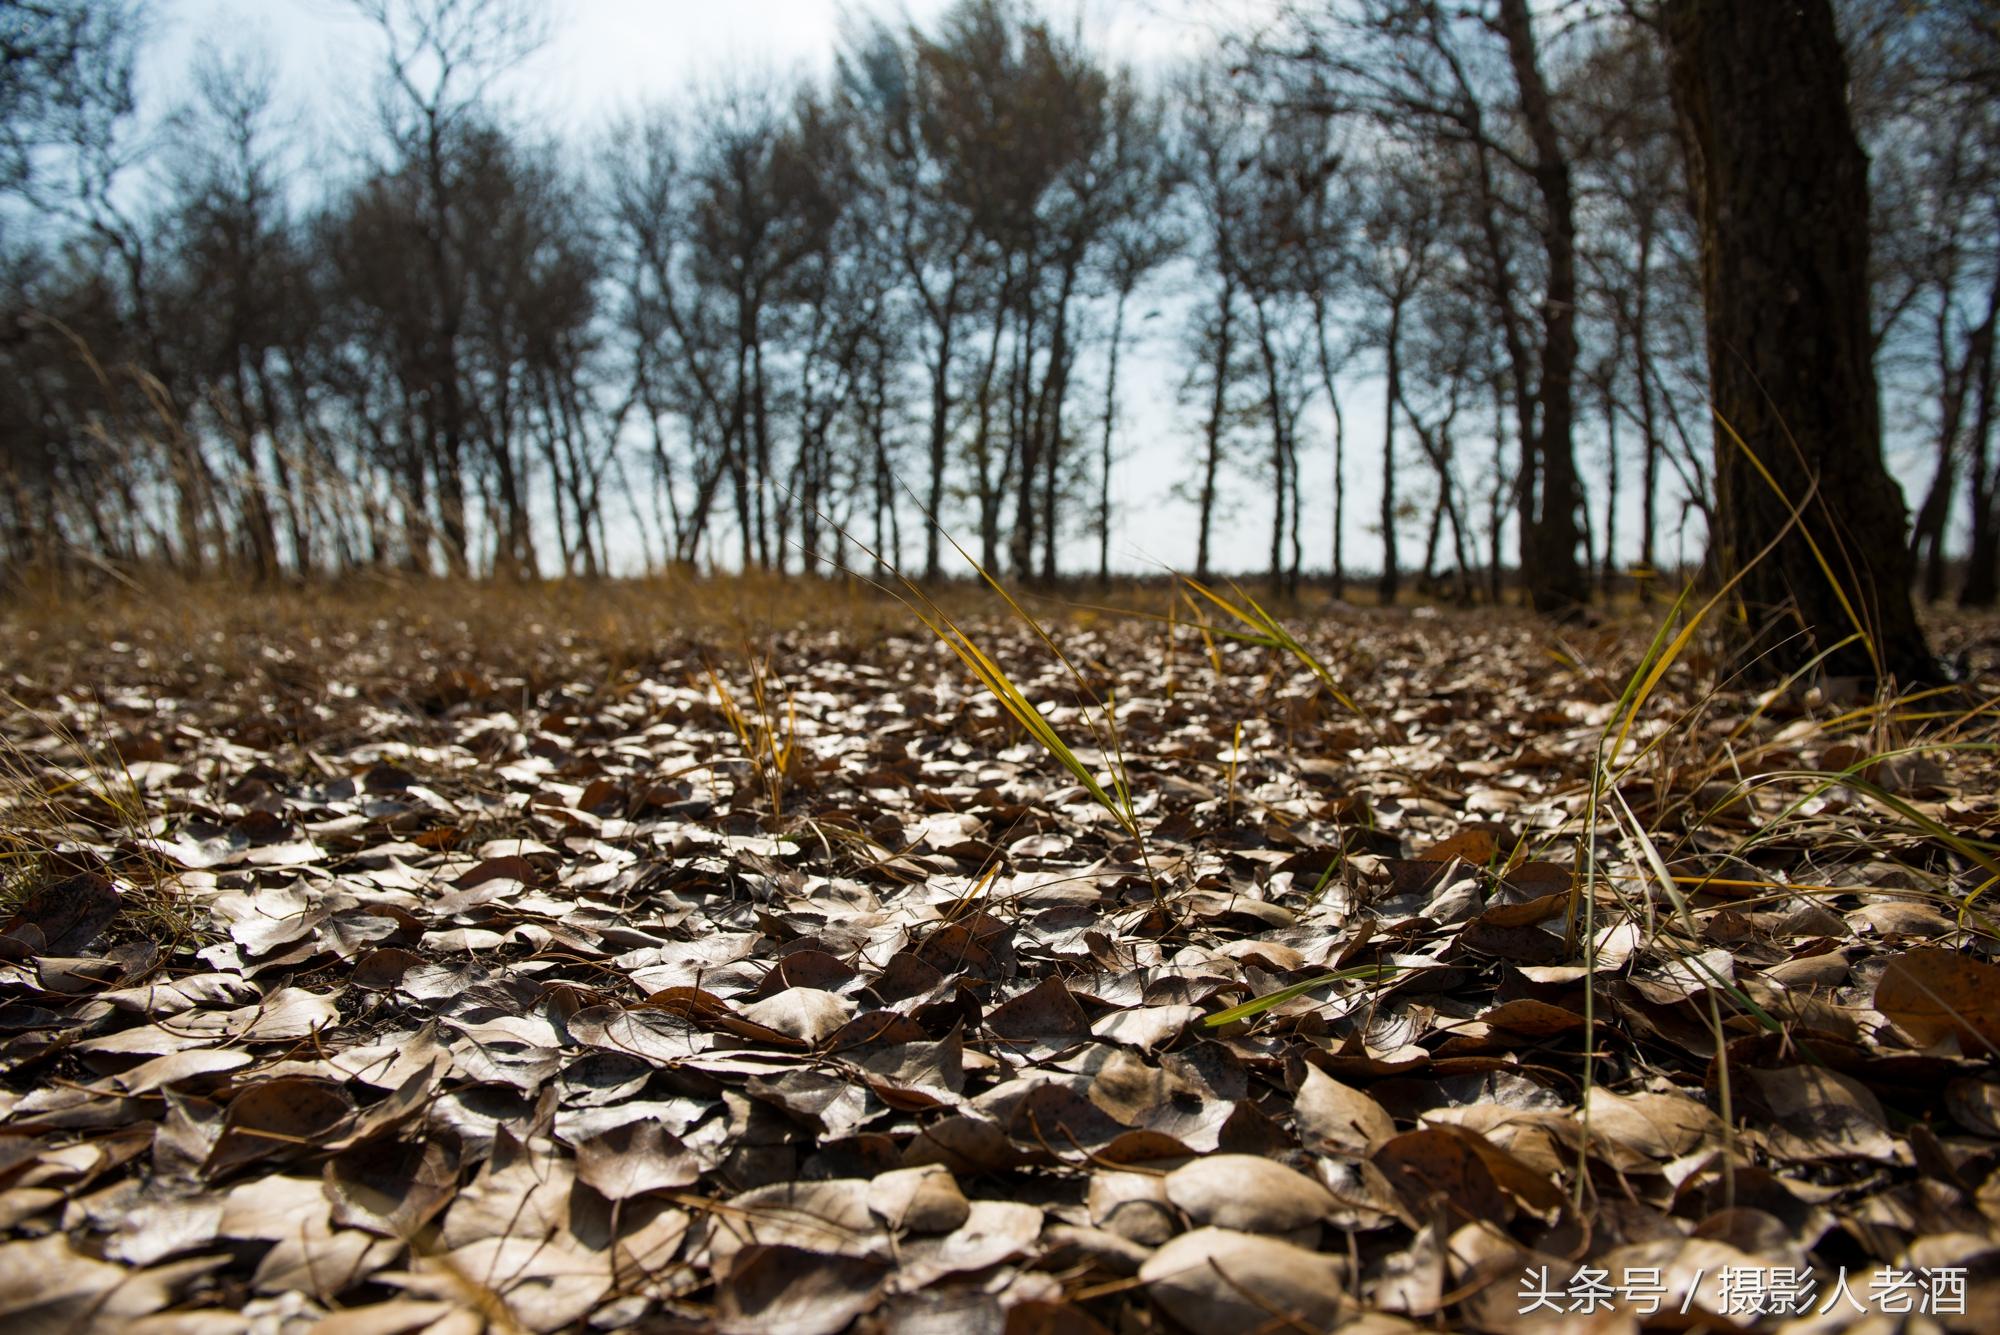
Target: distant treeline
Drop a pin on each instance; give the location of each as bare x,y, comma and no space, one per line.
774,322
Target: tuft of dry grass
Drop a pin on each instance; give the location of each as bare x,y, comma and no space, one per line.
56,800
767,732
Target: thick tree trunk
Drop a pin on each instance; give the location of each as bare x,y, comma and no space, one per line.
1781,196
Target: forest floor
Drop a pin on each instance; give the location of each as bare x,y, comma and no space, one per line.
689,957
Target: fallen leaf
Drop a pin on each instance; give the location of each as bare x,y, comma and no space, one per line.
634,1159
771,1289
1215,1281
1247,1194
1338,1117
1934,994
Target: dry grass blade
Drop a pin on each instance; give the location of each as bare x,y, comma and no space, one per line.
1267,630
1116,798
1854,618
768,735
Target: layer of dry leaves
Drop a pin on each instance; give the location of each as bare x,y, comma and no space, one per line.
538,999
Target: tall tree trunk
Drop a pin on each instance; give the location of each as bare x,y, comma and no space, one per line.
1927,532
1104,452
1339,447
1557,583
878,442
1496,509
1973,375
1021,543
1427,580
1982,563
760,427
943,323
1609,567
1386,585
1055,396
1642,364
1339,500
297,528
1781,194
259,524
1274,405
992,493
1218,408
1292,482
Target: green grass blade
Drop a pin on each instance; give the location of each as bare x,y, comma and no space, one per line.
1258,1005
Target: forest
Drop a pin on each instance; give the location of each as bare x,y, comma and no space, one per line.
772,325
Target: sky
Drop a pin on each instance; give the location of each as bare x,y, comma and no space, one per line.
608,58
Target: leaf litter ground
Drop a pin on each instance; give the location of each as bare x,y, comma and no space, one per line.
364,978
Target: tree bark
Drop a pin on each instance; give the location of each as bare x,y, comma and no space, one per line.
1642,363
1104,453
1388,582
1982,564
1339,447
1555,581
1275,406
1608,569
1975,376
1218,407
1780,186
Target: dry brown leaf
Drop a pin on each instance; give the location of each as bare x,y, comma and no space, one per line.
804,1013
921,1200
1935,994
772,1289
1132,1205
1660,1126
1821,1114
45,1285
395,1317
634,1159
1247,1194
993,1232
1435,1167
1218,1282
1339,1117
279,1119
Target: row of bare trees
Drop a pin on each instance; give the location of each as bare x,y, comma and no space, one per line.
783,319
